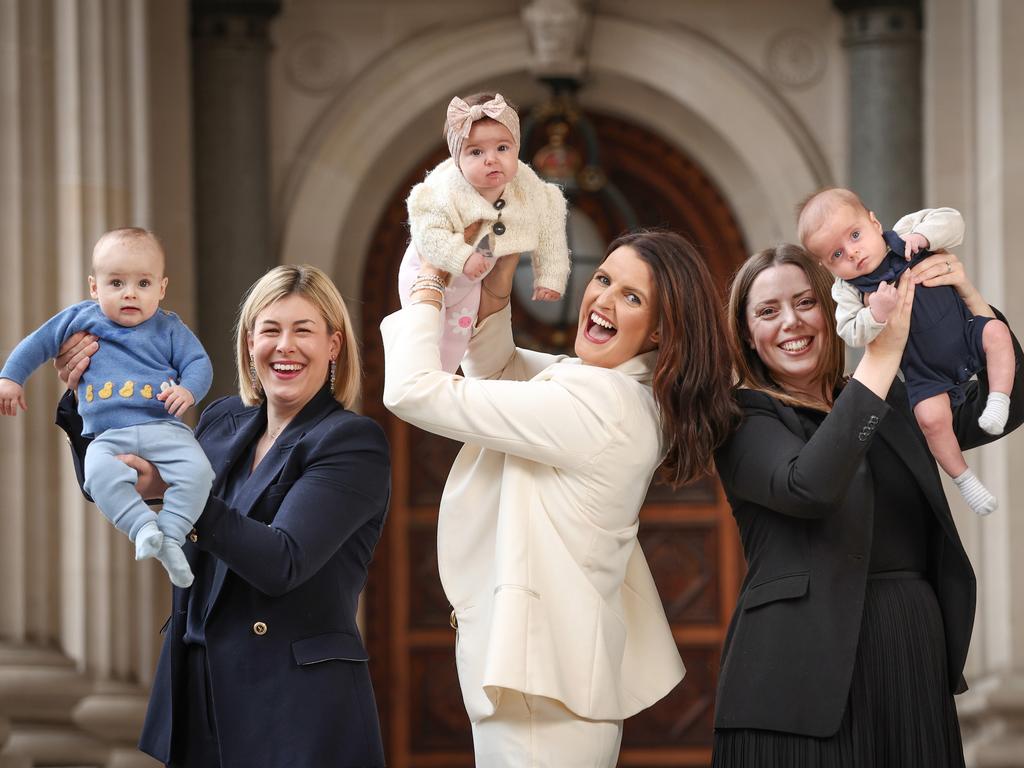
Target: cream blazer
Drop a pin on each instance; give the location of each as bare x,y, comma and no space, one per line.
536,539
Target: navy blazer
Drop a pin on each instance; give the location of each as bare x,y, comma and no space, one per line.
804,505
289,677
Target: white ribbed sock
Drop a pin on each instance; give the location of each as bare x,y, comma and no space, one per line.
997,410
975,494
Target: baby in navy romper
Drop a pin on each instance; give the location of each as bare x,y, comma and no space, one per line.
947,345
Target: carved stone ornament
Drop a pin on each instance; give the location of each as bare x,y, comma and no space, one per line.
795,59
557,29
316,63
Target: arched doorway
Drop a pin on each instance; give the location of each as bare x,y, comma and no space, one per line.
689,537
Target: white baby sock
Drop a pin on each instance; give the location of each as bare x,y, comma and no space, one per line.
175,563
997,410
975,494
148,541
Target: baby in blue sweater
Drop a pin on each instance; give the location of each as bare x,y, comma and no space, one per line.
148,371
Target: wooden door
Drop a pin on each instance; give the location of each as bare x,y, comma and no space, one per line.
688,536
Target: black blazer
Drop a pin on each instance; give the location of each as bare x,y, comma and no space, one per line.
293,556
804,505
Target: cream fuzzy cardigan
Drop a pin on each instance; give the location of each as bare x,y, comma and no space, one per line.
444,204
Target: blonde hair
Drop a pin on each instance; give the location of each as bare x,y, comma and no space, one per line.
751,372
128,236
316,287
813,211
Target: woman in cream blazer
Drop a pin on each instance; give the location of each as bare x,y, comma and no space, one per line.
561,632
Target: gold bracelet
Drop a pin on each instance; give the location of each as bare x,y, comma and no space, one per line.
483,284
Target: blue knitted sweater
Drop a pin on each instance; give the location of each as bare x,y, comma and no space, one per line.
120,386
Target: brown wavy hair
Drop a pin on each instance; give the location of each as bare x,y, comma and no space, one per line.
751,372
692,377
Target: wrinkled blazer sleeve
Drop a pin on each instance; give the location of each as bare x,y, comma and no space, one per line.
965,416
492,353
563,420
764,462
343,486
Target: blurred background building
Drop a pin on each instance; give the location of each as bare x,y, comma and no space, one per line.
248,133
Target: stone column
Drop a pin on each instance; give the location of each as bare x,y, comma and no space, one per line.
883,41
231,48
78,617
992,711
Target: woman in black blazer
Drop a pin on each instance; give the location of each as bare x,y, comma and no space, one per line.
262,662
855,616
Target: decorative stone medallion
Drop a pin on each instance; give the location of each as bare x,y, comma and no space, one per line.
316,63
795,59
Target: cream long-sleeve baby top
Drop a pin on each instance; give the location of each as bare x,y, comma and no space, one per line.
444,204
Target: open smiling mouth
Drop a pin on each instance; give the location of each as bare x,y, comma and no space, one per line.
599,330
796,345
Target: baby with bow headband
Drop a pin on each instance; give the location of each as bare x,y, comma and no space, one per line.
483,181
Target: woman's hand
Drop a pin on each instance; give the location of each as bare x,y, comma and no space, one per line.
944,268
149,485
882,356
73,358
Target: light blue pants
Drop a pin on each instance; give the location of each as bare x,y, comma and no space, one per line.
172,448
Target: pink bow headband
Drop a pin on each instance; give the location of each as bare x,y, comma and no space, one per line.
461,117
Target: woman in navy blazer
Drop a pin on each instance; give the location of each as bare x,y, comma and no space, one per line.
262,662
855,616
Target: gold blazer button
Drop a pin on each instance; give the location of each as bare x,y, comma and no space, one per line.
193,536
260,628
453,620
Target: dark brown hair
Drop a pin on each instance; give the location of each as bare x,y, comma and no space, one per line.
692,377
751,371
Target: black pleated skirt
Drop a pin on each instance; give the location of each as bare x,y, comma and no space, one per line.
900,712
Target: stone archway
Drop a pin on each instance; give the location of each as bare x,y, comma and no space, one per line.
673,81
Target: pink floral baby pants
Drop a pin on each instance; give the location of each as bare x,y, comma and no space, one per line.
461,305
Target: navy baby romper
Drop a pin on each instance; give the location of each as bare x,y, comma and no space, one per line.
944,349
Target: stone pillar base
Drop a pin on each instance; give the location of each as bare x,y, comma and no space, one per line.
55,716
114,713
992,720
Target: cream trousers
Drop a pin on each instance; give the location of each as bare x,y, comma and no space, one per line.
537,732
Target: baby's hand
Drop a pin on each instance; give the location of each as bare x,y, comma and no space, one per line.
476,266
883,301
545,294
11,396
176,399
915,242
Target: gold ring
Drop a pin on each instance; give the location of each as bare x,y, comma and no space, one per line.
949,267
